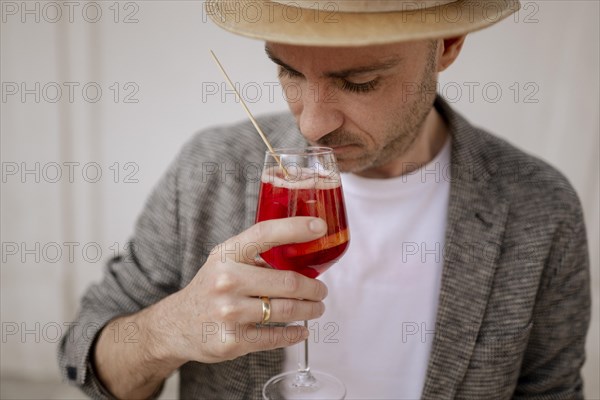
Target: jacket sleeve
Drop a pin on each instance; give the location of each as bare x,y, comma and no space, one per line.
147,271
555,353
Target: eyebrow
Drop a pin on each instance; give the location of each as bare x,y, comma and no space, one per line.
379,66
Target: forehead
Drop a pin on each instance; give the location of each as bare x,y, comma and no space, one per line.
319,57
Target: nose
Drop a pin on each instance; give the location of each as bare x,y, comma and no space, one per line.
318,113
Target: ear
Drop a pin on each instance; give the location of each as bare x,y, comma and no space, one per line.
448,51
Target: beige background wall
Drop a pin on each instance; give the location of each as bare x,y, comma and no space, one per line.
532,79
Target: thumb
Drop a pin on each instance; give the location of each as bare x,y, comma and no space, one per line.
265,235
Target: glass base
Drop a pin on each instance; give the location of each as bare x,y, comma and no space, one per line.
304,385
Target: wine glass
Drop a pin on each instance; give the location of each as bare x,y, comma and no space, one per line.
304,182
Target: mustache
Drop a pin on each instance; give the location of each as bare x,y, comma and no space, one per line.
339,137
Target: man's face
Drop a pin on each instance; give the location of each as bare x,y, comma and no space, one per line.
368,103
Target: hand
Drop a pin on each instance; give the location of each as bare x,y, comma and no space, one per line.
214,318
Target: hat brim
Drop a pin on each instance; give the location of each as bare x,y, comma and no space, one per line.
276,22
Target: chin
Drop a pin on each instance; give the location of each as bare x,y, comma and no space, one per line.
355,165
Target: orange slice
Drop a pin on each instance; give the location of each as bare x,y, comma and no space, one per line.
323,243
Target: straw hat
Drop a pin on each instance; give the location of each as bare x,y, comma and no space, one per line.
355,22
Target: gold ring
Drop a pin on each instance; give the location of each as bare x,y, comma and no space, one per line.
266,310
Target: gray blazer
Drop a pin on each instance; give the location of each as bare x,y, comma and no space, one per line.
514,306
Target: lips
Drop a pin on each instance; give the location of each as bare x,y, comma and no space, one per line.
344,148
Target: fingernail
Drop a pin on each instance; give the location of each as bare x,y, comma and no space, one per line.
305,334
317,225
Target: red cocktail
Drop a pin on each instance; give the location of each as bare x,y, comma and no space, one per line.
308,196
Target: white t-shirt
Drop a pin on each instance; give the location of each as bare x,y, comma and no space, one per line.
377,330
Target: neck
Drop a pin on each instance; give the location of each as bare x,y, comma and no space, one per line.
426,146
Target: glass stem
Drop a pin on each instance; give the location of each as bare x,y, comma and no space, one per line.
304,367
303,376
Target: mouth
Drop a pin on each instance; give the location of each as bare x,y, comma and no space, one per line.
344,149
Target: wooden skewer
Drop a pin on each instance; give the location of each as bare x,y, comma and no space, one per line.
252,119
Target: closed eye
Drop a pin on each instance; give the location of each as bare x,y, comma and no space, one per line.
344,84
360,87
288,73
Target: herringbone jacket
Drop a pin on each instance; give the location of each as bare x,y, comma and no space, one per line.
514,305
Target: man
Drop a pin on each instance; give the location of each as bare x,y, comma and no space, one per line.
503,313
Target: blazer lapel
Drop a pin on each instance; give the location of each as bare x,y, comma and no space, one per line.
476,219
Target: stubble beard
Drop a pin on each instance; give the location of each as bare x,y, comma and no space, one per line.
408,125
403,133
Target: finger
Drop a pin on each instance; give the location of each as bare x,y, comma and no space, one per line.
274,337
282,310
239,339
290,310
250,310
278,284
268,234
